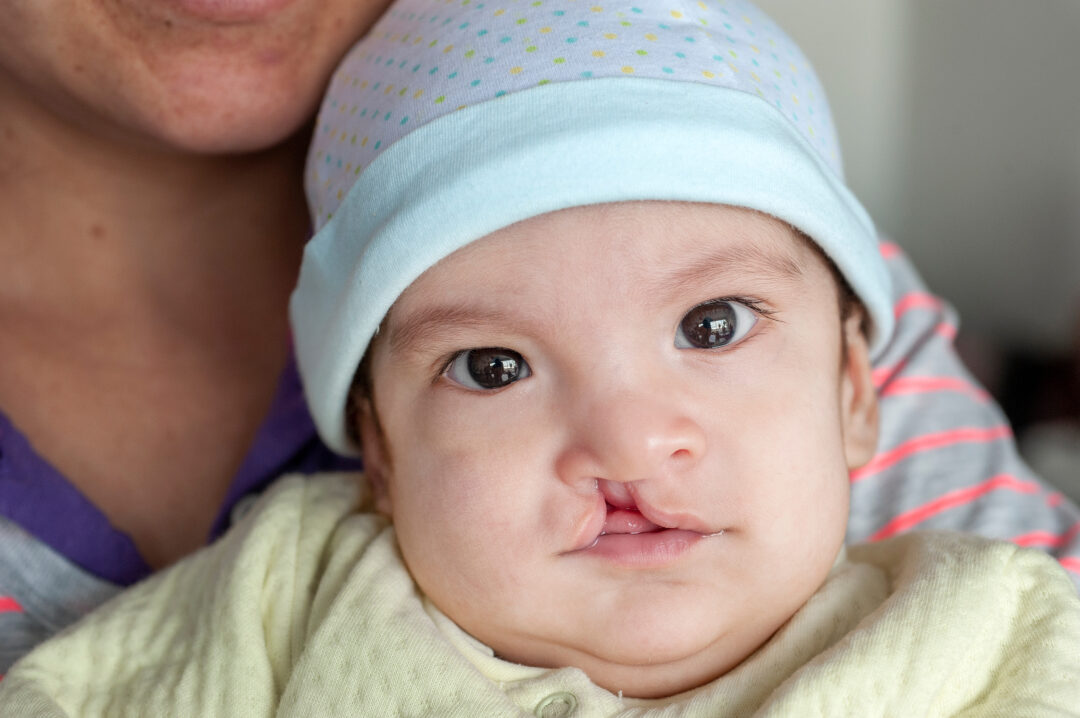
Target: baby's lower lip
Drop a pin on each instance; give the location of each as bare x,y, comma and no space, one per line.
652,549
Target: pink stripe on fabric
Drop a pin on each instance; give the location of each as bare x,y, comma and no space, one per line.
1047,539
945,330
916,300
967,435
885,374
889,249
1054,500
9,605
952,499
1070,563
927,384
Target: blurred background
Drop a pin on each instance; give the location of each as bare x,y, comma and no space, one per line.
960,126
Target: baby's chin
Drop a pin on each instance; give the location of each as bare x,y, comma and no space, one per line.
648,653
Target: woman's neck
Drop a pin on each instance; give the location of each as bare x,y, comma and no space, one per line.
143,298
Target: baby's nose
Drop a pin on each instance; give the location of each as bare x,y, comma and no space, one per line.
628,439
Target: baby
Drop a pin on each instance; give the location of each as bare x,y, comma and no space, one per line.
597,310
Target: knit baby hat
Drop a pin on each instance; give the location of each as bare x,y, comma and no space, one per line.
455,118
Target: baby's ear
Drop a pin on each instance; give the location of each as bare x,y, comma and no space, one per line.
376,458
858,399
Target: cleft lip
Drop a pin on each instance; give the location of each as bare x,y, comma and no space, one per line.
632,517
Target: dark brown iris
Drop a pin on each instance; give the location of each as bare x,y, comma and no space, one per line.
494,368
709,325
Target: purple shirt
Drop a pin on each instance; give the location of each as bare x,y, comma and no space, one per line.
37,497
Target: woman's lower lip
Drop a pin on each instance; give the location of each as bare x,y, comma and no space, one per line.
654,549
229,11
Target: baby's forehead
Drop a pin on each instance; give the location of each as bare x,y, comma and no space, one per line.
660,244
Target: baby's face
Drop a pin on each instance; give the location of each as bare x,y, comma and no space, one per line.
618,437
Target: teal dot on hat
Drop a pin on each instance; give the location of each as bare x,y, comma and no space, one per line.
474,83
482,33
571,40
587,74
504,38
452,75
404,119
635,9
668,70
559,13
500,93
583,23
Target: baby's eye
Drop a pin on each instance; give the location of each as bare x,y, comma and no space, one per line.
715,323
487,368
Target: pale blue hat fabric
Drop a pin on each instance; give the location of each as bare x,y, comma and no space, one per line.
454,119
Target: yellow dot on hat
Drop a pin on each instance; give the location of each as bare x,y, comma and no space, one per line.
515,70
597,53
628,70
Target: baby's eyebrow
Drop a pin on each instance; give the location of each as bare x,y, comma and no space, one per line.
419,327
744,260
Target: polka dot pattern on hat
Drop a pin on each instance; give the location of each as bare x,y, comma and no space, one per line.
427,58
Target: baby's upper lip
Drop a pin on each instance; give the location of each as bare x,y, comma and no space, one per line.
635,516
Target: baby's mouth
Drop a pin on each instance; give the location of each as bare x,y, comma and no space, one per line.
639,536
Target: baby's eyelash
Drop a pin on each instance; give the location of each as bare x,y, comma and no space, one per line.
756,305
